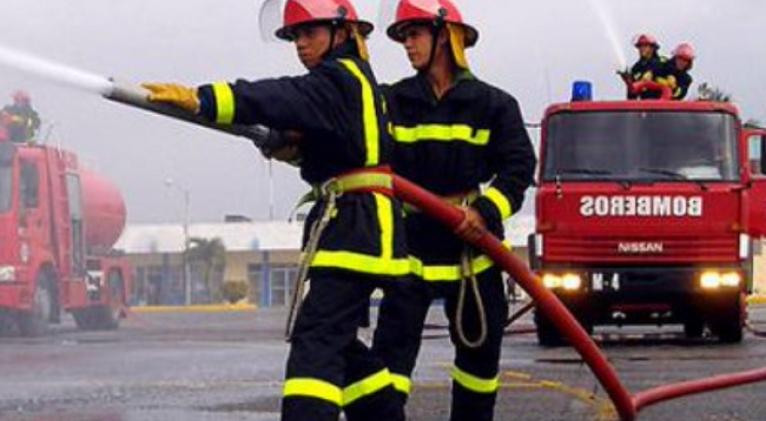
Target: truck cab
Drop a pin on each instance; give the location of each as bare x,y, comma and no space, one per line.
58,222
646,214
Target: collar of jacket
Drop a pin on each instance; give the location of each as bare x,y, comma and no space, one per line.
419,88
347,49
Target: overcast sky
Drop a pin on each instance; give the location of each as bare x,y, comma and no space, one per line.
533,49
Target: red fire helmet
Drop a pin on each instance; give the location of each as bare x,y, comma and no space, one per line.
21,97
685,51
299,12
646,39
410,11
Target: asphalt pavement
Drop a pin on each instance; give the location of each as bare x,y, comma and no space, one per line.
229,366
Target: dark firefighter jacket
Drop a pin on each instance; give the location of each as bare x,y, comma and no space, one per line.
338,108
24,122
679,81
473,135
645,70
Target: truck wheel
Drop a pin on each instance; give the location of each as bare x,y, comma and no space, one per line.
693,329
104,317
729,326
97,318
35,323
547,334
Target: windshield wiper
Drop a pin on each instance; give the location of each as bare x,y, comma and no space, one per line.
674,174
662,171
584,171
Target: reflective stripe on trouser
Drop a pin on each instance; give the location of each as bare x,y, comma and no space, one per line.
369,393
323,342
398,337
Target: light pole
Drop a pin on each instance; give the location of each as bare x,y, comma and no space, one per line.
169,183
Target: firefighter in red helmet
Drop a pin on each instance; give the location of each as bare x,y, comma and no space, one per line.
649,62
23,121
452,134
675,72
354,237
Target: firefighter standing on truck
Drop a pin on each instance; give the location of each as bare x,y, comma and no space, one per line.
649,62
453,133
21,120
675,72
354,238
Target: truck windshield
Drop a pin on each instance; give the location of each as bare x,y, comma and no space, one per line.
6,176
641,146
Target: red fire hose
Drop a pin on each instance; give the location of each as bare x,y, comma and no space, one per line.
642,86
627,406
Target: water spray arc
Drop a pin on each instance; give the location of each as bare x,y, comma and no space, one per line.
121,93
601,10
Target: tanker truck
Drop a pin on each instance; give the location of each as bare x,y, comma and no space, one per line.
58,224
647,212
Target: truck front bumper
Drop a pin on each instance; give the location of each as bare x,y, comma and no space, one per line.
652,295
15,296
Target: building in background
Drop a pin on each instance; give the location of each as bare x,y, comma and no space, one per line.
265,255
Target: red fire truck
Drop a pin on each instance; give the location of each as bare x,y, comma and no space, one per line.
646,214
58,223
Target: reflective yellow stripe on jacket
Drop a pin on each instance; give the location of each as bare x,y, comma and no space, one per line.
441,133
369,114
474,383
501,202
384,264
449,273
224,101
313,388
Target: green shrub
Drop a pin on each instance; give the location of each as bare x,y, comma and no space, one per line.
234,291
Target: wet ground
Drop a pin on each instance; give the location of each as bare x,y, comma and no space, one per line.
229,366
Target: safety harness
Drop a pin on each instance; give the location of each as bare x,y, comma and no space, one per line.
368,180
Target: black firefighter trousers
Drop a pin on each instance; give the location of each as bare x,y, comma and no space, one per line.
326,357
475,379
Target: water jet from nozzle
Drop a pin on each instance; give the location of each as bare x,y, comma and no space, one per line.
52,71
128,95
610,31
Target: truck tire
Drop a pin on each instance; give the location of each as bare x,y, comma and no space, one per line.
693,329
104,317
97,318
729,325
35,323
548,334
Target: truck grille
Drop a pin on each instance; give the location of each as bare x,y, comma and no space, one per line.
609,250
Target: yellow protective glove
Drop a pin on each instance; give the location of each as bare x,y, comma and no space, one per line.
181,96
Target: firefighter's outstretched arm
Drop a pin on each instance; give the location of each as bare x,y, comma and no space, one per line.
303,103
512,158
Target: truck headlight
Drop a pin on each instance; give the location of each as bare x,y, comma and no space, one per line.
552,281
567,281
713,279
571,281
731,279
7,273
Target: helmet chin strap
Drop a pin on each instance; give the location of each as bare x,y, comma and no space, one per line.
438,25
333,34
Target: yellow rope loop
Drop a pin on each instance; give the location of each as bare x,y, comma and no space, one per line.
469,277
315,233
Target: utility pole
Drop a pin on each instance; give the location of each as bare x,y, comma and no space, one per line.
187,240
